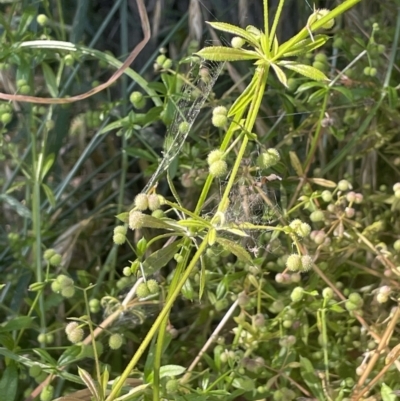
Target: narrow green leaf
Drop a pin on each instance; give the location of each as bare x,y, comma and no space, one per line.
245,98
17,323
323,183
393,98
21,209
307,372
306,70
220,53
280,74
49,195
309,85
236,249
160,258
346,92
9,382
235,30
212,236
49,161
387,393
104,380
317,95
90,384
295,162
50,79
306,46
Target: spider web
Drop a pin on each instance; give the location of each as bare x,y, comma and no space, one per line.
202,78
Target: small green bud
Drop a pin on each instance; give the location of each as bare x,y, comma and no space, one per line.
42,20
69,60
321,57
55,260
172,386
153,202
184,127
320,66
56,287
6,118
160,60
136,219
35,370
367,71
64,280
218,168
297,294
41,338
219,120
142,291
127,271
237,42
317,215
158,214
68,292
94,305
220,111
167,64
47,393
327,293
74,333
214,156
115,341
293,262
24,89
268,159
48,253
137,99
306,262
153,286
326,196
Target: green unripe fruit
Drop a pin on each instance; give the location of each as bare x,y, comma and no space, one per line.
293,262
50,125
396,245
221,304
297,294
158,214
64,280
42,338
137,99
373,71
327,293
355,298
367,71
49,338
115,341
74,335
219,120
119,239
268,159
317,215
35,370
326,196
214,156
55,260
287,323
142,291
153,286
320,66
381,49
68,292
42,20
126,271
141,202
306,262
153,202
338,43
136,219
218,168
69,60
172,386
56,287
24,89
160,60
321,57
292,85
167,64
94,305
343,185
6,118
237,42
47,393
350,306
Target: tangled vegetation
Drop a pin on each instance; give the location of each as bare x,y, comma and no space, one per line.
250,253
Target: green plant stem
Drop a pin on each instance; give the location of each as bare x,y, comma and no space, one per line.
315,140
262,74
156,325
36,221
